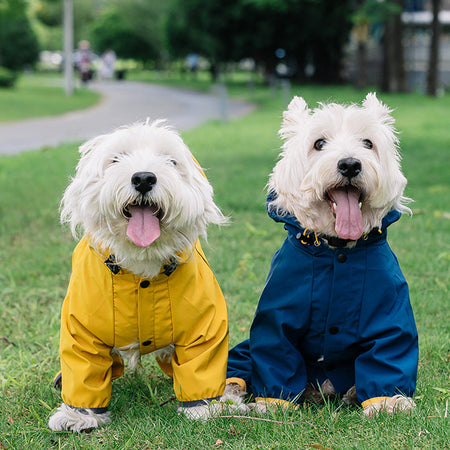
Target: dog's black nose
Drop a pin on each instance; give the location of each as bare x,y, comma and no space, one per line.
349,167
143,181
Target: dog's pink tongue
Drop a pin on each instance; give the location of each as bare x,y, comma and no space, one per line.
143,226
348,215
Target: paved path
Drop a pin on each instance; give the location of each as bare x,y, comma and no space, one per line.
123,103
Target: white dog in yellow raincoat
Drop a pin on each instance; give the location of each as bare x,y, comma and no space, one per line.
140,282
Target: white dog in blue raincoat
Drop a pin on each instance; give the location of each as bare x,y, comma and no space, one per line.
334,316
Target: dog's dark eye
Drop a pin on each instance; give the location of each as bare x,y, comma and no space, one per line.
173,161
319,144
367,143
115,160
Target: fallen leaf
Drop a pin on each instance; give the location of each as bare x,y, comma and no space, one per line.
218,443
233,431
10,419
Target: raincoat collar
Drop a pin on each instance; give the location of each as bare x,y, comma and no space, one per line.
114,266
308,237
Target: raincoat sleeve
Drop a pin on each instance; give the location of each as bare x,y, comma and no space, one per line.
239,367
201,342
388,364
278,367
87,365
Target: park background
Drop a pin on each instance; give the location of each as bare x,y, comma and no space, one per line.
263,52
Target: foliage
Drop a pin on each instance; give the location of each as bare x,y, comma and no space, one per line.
7,77
230,31
35,260
371,11
49,12
18,43
47,19
133,29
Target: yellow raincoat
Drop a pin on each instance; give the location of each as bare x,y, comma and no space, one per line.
103,310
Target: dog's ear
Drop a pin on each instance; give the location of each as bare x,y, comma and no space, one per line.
209,212
91,144
293,116
383,112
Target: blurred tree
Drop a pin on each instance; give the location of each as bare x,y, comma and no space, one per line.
18,44
47,20
394,74
48,12
208,28
367,14
133,29
433,67
311,32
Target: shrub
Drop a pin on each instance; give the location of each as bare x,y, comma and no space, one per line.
7,77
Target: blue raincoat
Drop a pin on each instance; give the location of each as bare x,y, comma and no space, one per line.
342,314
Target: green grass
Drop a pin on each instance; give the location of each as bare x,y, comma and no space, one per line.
35,266
37,95
201,81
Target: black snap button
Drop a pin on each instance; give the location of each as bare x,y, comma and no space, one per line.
146,343
342,257
334,330
145,284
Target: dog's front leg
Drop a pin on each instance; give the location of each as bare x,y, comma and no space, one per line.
199,369
87,370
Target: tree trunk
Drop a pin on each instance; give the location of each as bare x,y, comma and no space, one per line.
433,68
394,75
361,80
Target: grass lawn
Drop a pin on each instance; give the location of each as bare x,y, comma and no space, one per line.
37,95
35,254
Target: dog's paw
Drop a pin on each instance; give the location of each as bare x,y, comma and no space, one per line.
263,405
350,397
390,405
72,419
200,412
232,400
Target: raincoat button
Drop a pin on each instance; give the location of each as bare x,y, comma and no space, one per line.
146,343
333,330
145,284
342,257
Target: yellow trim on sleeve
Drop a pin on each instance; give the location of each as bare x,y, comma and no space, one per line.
238,381
373,400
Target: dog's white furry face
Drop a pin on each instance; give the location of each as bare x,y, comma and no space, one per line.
339,172
139,193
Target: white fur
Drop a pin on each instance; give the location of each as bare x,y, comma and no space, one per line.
95,198
132,354
93,204
231,401
303,175
67,418
390,405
